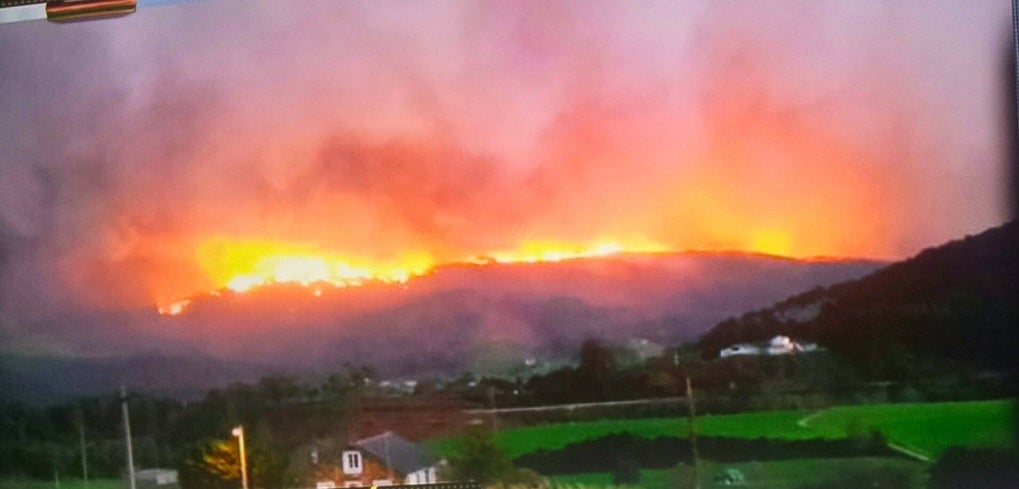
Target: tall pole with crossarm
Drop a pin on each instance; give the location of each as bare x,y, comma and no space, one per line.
238,432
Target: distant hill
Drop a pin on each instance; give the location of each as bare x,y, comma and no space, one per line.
486,318
958,302
458,316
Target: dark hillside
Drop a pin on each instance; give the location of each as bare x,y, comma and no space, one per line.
957,303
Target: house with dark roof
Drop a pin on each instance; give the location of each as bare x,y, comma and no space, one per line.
387,459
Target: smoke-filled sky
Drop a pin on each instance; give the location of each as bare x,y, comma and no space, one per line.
141,156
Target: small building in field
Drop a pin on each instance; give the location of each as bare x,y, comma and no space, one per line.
154,479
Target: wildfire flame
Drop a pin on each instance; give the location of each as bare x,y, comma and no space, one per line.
243,265
552,251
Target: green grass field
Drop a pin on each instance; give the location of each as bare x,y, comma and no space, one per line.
928,427
772,475
64,484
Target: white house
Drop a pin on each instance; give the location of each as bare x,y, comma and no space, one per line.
783,345
779,345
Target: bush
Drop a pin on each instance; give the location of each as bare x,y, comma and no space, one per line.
480,459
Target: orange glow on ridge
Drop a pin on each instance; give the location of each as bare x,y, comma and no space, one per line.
244,265
772,242
241,265
554,251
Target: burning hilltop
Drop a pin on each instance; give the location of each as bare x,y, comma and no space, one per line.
241,266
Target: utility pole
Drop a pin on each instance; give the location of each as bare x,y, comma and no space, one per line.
238,432
495,409
692,424
81,443
56,473
693,435
127,438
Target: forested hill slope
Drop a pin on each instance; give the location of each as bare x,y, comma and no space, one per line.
957,302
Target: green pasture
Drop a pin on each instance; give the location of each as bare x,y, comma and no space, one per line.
928,428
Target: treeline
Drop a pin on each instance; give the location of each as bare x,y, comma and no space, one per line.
732,385
37,442
599,376
279,413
